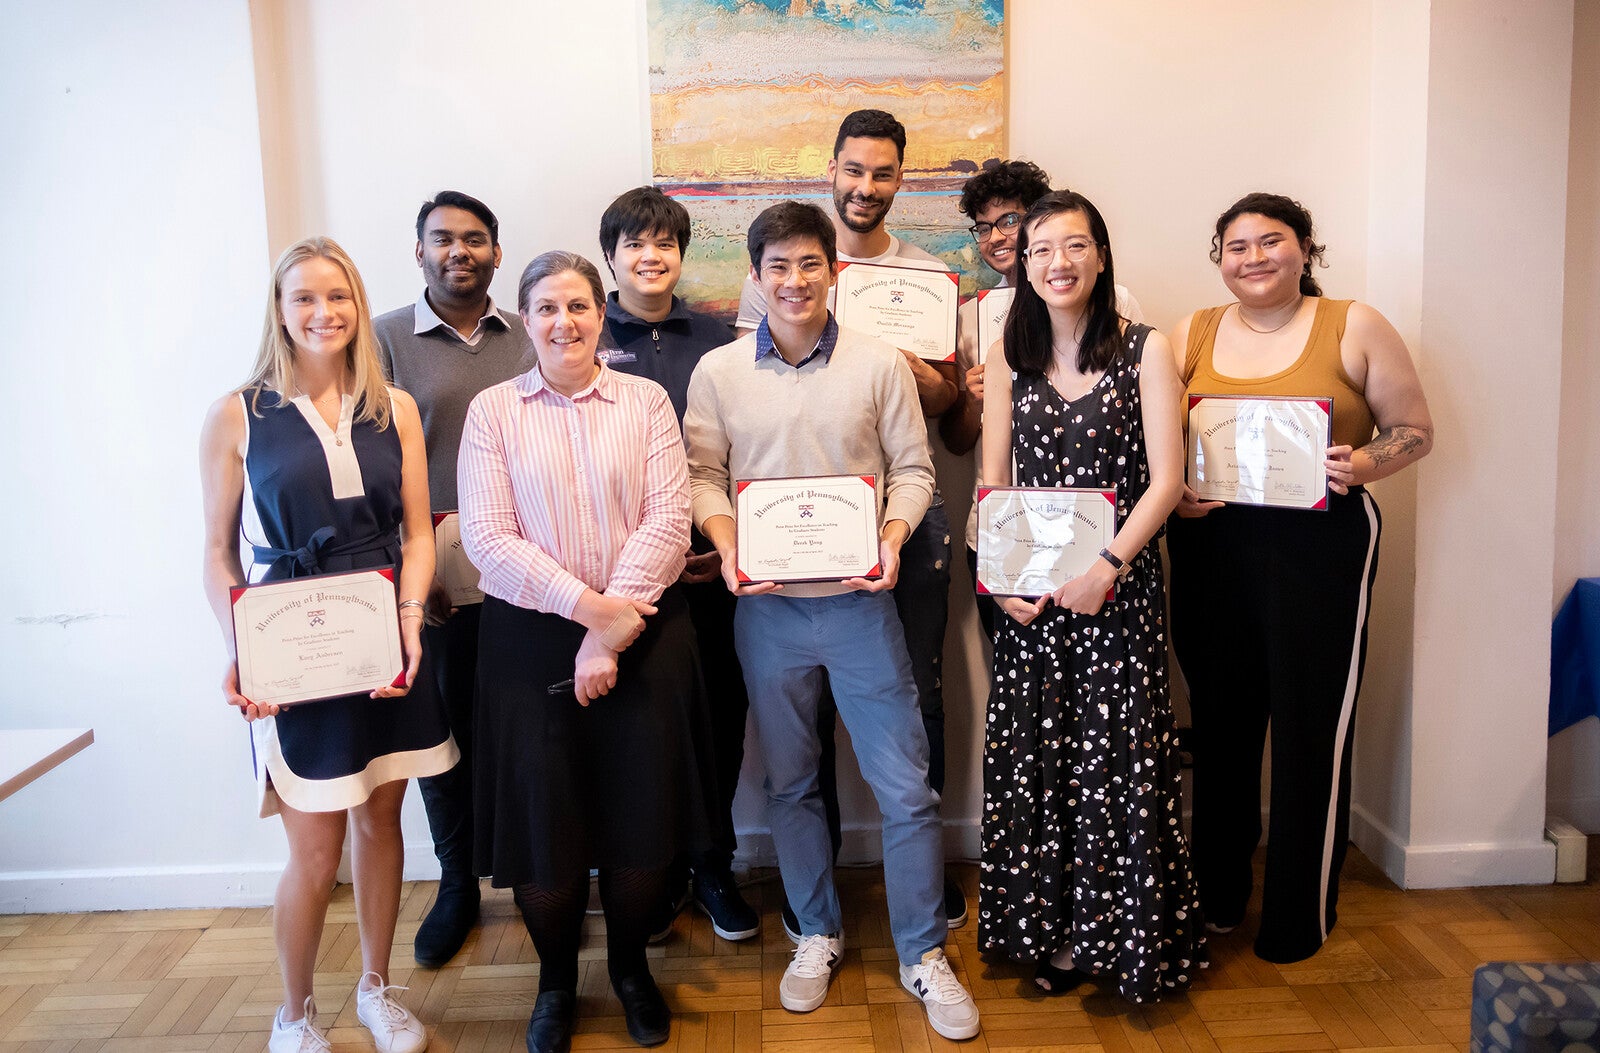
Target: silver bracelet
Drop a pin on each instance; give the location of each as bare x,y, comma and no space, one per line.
411,603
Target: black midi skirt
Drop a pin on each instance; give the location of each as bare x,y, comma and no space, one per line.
561,788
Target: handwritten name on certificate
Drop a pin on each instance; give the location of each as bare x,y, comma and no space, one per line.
910,308
308,639
821,528
1034,539
1260,451
452,567
993,305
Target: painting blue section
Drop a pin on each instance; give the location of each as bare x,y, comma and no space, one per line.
992,11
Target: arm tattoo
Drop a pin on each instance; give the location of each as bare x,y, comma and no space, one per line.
1399,441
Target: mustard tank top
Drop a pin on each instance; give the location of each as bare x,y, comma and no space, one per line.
1318,372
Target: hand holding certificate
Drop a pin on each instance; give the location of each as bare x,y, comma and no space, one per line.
1032,540
1260,451
821,528
308,639
910,308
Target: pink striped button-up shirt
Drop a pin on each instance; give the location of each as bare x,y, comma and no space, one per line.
558,494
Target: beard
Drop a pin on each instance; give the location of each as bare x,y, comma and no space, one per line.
460,287
841,204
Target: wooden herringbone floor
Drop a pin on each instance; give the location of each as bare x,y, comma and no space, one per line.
1395,976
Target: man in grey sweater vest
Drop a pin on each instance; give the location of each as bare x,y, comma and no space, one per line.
444,349
798,397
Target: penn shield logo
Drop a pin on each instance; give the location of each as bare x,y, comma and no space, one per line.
316,618
807,511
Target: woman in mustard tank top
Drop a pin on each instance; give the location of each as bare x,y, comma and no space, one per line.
1269,605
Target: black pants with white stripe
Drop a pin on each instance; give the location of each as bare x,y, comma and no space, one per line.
1269,622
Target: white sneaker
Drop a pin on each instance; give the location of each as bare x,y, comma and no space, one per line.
301,1036
951,1010
394,1029
805,981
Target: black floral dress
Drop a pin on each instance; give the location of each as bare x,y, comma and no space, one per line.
1082,840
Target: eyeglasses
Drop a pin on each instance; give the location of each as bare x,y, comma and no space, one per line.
809,270
1075,251
1007,222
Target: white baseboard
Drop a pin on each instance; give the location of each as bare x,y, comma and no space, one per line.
861,845
204,887
1452,866
168,888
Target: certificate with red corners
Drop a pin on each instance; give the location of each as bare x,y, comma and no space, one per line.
308,639
1034,539
813,528
451,565
1260,451
993,306
910,308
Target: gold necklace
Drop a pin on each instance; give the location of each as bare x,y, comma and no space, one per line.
1264,332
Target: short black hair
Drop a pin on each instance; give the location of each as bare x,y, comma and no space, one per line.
1021,181
641,211
791,219
872,124
466,202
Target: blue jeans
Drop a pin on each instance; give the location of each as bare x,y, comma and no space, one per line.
786,646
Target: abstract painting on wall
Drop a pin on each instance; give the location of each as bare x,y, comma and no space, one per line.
746,96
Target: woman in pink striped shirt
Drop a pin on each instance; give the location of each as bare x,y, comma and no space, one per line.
591,720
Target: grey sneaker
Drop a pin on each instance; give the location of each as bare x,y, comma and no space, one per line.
805,981
951,1010
301,1036
394,1029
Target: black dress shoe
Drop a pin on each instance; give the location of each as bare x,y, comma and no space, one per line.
550,1026
450,919
955,905
649,1020
717,895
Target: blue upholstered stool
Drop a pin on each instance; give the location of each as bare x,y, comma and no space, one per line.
1536,1007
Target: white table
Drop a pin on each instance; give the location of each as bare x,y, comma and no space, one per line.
26,755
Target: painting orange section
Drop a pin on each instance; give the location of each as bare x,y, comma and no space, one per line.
734,133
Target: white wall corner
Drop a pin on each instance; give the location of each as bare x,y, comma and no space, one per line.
1452,866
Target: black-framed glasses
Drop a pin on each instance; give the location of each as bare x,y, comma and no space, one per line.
1005,224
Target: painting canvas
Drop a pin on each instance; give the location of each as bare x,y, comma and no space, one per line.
746,95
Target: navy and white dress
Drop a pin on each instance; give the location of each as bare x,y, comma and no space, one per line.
319,500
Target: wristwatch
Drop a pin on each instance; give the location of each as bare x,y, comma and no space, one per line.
1124,568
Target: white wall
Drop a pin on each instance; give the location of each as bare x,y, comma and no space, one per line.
1499,87
133,299
1574,777
148,177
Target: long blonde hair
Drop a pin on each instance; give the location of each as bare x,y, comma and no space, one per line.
274,366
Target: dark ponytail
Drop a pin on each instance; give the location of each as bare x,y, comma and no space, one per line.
1285,210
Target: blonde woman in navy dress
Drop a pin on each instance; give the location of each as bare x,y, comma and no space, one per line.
321,468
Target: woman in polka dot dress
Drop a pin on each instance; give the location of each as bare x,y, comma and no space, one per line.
1085,870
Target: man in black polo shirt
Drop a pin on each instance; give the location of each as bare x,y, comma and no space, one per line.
651,333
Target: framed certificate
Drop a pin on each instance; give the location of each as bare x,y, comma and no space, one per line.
1034,539
993,305
307,639
451,565
1260,451
910,308
819,528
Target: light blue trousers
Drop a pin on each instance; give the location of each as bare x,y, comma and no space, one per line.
785,644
